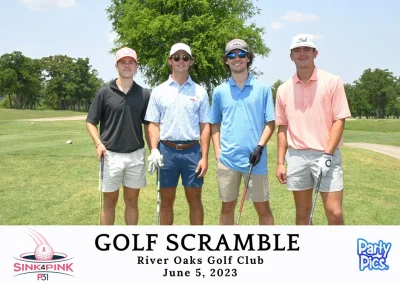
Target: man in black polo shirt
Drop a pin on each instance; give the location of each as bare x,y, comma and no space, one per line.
120,107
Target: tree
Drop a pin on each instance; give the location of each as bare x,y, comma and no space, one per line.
275,87
379,88
20,79
151,27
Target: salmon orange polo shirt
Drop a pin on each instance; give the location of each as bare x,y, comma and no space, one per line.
309,109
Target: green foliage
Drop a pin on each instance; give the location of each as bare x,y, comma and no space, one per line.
375,94
152,27
275,87
55,82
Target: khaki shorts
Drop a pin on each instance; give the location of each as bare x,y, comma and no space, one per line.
302,171
127,169
229,182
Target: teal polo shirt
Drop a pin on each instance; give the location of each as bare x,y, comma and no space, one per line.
242,114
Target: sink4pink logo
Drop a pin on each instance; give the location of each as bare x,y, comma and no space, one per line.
43,261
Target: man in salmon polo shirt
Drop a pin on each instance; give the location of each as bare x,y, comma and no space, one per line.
311,108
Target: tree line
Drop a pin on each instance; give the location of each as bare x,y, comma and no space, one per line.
55,82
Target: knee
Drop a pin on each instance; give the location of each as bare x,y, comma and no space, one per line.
303,210
131,202
228,207
334,214
110,203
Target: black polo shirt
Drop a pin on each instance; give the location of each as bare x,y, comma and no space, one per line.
121,116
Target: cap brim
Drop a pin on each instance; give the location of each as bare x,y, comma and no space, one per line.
243,49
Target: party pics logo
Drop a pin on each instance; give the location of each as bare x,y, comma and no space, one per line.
43,261
373,256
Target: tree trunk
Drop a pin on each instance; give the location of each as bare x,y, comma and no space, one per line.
9,98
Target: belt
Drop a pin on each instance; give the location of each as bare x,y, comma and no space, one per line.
179,146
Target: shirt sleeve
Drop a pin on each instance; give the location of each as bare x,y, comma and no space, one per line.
269,108
281,118
340,105
215,114
146,96
96,109
205,109
153,112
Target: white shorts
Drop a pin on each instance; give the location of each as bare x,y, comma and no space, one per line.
128,169
302,171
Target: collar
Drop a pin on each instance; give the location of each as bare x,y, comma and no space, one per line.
114,86
170,81
249,81
314,76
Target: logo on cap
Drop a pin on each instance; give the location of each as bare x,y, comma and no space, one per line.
301,40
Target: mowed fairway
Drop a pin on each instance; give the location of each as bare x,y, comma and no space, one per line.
45,181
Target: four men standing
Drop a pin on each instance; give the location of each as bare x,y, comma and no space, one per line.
310,110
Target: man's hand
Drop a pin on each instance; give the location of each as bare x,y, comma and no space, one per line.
324,163
101,151
256,155
281,173
155,160
202,168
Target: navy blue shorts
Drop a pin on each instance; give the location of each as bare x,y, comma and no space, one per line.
180,163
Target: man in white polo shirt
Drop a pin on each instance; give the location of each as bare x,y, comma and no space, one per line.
178,113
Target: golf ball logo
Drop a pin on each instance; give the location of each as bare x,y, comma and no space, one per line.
44,252
44,262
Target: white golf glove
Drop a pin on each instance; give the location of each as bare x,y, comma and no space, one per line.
324,164
155,160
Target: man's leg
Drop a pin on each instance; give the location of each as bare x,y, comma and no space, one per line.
264,213
333,207
110,200
196,211
134,179
227,212
167,205
228,184
303,203
131,196
258,192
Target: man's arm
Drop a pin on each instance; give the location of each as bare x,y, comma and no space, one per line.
282,148
146,135
94,133
153,134
215,134
335,135
267,133
205,146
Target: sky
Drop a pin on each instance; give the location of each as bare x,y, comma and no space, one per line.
351,35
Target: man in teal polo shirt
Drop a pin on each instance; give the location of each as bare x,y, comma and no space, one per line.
242,122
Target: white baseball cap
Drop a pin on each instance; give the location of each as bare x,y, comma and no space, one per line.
180,46
302,40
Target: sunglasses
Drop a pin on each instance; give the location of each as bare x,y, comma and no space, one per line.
177,57
241,54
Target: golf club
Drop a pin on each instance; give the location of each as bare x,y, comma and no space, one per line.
244,194
158,195
101,185
315,197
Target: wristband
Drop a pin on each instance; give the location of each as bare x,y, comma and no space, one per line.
98,144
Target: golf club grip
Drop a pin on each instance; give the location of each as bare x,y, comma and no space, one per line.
101,166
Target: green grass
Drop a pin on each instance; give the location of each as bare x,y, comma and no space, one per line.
47,182
13,114
383,131
374,125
